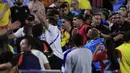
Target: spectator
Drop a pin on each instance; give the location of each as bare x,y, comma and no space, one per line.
6,52
27,60
4,15
52,35
29,21
78,60
41,45
78,21
124,49
88,19
19,12
75,8
109,58
88,12
36,5
128,16
21,32
93,35
123,10
97,23
65,10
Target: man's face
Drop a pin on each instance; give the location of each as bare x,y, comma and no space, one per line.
65,24
89,20
74,4
123,11
96,19
118,19
76,22
24,45
113,19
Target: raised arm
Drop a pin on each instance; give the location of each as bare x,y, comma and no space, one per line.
42,18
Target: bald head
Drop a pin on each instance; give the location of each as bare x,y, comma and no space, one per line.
92,33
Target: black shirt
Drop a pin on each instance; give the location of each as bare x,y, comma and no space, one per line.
125,27
103,29
19,13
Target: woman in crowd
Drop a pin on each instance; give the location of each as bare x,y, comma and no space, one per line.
109,58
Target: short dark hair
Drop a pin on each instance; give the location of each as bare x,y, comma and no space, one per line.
126,36
63,5
80,16
29,40
87,16
68,19
37,30
53,12
96,14
77,40
52,20
94,33
113,14
123,7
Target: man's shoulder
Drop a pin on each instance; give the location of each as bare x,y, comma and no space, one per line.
78,50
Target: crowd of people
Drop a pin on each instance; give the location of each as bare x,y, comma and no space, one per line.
64,35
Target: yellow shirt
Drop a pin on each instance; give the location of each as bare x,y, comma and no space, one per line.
11,48
83,4
65,39
125,61
5,19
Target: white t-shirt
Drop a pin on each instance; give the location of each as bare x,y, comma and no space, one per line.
42,58
50,35
19,33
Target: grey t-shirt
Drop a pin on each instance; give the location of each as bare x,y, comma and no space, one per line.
79,61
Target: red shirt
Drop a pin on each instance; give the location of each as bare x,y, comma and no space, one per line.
82,31
105,63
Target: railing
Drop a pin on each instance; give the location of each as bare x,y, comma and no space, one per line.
38,71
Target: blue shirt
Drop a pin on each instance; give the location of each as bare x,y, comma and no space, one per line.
13,2
76,12
104,22
92,46
59,22
117,5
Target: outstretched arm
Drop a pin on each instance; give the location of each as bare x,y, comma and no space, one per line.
42,19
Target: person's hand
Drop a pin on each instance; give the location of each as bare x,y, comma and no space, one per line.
93,24
14,25
98,47
2,67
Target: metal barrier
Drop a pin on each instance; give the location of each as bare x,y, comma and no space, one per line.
38,71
